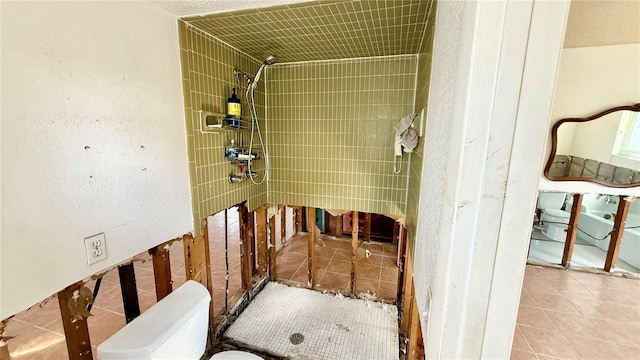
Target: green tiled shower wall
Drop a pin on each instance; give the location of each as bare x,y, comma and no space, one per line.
208,79
422,102
330,127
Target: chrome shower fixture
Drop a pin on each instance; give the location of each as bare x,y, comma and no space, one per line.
270,60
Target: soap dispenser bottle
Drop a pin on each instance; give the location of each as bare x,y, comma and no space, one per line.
233,111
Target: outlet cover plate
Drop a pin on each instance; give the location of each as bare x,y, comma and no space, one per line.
96,248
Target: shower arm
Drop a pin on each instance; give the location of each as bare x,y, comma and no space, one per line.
237,72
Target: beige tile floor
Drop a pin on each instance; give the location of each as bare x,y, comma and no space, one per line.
376,270
577,315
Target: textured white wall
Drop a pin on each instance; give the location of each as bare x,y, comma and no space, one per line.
93,140
590,80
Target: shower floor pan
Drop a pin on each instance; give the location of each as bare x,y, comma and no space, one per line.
297,323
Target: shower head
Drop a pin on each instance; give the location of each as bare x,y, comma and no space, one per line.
270,60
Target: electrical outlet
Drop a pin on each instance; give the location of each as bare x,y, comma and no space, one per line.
96,247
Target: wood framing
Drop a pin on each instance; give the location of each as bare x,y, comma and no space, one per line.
245,248
616,234
339,228
298,215
161,270
194,259
204,245
4,352
311,260
407,295
251,238
272,247
572,230
261,241
283,223
403,248
75,327
354,250
416,343
396,232
367,226
129,291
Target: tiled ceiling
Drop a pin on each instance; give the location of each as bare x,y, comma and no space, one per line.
321,30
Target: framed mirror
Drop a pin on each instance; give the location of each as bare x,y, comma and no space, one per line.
603,148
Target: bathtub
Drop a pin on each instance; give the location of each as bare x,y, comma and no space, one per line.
599,223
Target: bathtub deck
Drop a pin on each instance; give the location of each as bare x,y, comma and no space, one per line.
333,327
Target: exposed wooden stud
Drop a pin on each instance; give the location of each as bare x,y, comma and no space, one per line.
283,224
204,244
245,248
572,230
339,227
407,295
298,214
367,226
129,291
311,260
416,344
251,236
616,234
396,233
261,239
161,270
194,259
272,247
403,248
4,352
354,250
76,330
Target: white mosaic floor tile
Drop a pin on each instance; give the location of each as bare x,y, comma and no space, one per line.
333,327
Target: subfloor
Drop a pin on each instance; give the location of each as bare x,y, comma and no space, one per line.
547,251
291,322
566,314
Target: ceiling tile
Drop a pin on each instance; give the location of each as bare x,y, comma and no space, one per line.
322,30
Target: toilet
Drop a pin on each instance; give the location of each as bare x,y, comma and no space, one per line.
553,219
174,328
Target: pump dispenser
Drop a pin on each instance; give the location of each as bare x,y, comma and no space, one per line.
233,111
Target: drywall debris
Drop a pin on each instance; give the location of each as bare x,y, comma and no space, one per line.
368,296
78,303
342,327
367,254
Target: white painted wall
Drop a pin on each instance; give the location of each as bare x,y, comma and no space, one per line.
93,140
590,80
494,68
594,139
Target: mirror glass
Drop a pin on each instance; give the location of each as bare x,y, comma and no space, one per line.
596,221
604,148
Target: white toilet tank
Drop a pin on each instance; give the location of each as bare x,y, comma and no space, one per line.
551,200
174,328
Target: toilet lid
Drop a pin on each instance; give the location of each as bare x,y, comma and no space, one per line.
235,355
